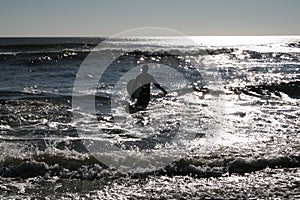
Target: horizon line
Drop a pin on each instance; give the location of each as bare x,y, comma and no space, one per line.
97,36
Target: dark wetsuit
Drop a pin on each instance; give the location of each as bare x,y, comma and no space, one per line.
142,94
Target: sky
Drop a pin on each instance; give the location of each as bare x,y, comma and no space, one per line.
109,17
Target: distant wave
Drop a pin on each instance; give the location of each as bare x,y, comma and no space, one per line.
45,47
274,57
34,57
40,57
17,95
186,52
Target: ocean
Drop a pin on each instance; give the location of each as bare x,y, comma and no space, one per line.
228,127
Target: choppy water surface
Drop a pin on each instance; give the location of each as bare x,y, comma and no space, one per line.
253,130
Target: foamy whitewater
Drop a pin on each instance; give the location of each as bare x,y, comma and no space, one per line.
239,100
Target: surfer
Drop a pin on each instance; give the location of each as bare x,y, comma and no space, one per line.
139,90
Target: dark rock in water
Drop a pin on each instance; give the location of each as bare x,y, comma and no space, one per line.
240,114
200,135
294,44
292,89
113,131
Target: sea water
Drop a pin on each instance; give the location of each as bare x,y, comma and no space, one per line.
246,145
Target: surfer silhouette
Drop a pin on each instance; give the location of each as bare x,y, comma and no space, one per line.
139,90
